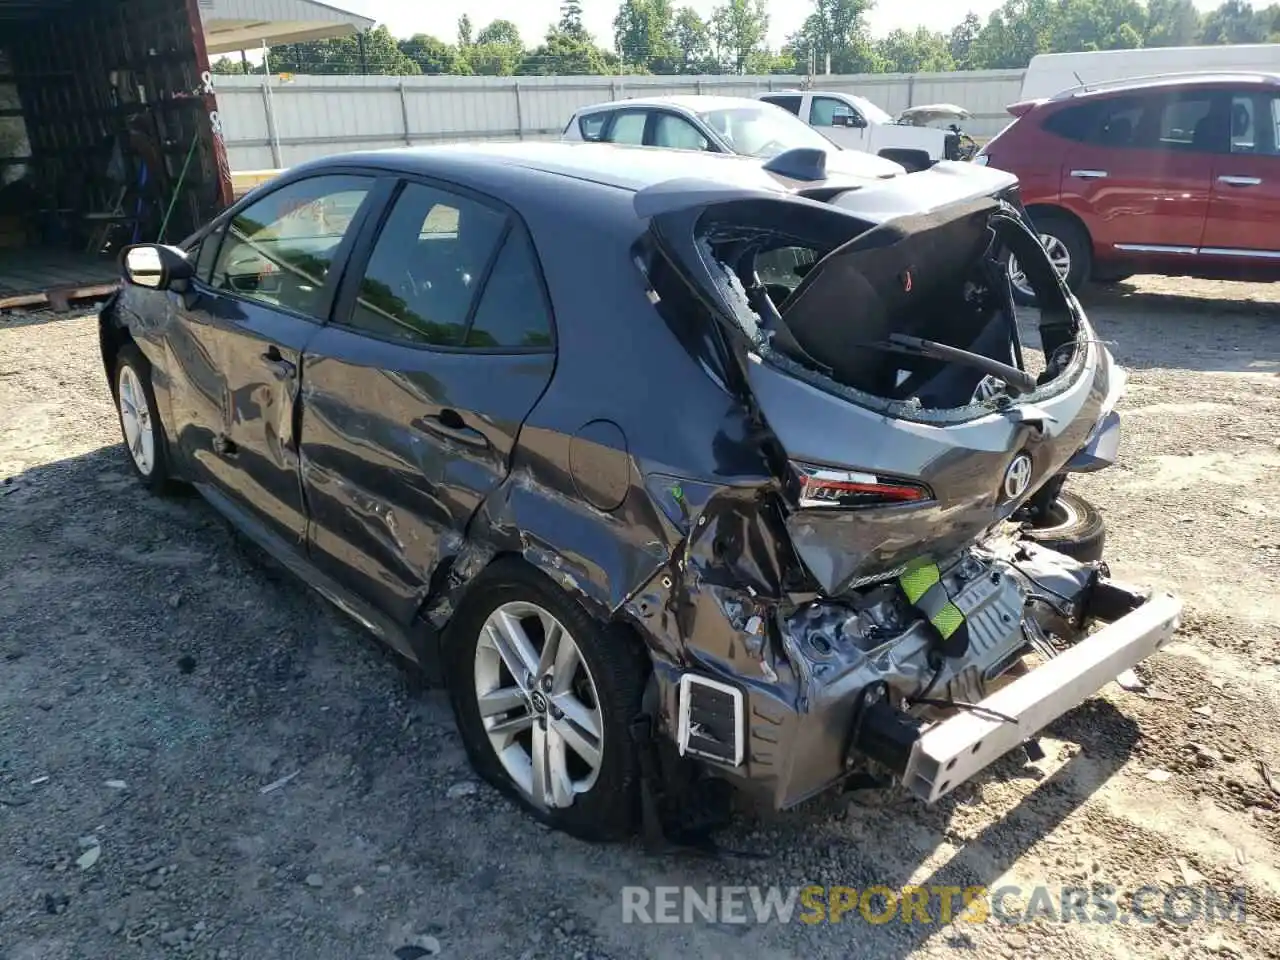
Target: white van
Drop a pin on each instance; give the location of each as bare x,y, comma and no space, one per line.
1051,73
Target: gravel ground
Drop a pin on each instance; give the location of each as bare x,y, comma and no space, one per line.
157,675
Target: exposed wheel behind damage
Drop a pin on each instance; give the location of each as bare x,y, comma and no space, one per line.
1070,525
544,695
1069,250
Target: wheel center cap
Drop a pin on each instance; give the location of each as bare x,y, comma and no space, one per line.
539,701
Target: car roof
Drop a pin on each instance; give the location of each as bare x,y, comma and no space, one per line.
1170,80
501,166
694,103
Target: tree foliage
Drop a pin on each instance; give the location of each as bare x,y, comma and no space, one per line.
655,36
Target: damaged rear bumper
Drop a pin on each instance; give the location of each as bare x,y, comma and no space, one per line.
948,753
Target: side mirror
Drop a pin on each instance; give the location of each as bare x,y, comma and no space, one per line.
155,266
847,120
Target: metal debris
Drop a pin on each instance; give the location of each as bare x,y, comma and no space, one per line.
277,784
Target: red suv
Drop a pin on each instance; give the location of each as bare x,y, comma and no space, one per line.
1174,175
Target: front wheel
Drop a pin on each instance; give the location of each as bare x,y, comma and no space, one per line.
544,696
140,419
1069,250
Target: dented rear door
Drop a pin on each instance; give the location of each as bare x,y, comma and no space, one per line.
414,395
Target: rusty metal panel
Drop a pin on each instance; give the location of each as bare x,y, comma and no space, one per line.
118,99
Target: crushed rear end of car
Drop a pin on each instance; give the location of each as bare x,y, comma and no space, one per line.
871,605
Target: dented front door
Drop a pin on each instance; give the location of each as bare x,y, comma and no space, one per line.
413,397
239,339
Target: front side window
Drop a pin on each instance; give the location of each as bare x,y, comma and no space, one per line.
427,267
279,250
677,133
823,110
208,252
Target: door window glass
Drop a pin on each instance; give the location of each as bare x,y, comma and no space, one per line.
791,104
426,267
628,128
823,111
208,251
280,249
513,307
677,133
1190,124
1117,123
592,126
1244,129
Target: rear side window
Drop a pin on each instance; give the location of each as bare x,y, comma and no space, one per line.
592,126
791,104
426,267
1188,123
1072,123
513,307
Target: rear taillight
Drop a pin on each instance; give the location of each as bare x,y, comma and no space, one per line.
848,489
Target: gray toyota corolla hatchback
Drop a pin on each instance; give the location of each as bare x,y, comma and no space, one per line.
678,470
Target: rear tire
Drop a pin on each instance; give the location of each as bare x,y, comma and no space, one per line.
139,417
1067,244
584,784
1072,526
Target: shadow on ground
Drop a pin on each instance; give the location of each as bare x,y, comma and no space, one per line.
206,673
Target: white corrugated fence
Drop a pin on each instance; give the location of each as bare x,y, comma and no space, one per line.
273,122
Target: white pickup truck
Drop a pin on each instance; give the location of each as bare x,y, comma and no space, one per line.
856,123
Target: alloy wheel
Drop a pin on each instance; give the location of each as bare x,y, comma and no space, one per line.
539,704
135,419
1058,255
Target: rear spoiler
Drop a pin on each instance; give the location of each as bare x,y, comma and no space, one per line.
1023,107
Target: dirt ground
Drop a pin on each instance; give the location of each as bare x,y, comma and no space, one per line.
157,674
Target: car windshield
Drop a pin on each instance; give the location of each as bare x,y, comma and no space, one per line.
764,131
869,110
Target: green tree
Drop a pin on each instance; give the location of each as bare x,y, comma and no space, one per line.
961,39
1235,22
739,29
464,31
571,20
564,54
644,34
1098,25
918,51
1171,23
501,31
692,39
835,35
225,66
494,59
432,55
1014,34
382,55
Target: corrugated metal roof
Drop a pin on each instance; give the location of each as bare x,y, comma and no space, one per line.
233,24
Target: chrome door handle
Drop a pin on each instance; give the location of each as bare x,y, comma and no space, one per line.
1240,181
1089,174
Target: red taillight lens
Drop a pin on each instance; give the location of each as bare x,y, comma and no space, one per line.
824,487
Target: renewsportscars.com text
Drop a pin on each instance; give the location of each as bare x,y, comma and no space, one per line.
1099,903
